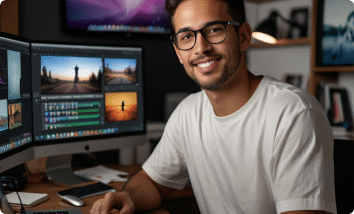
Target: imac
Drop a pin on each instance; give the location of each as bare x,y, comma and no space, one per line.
15,102
86,98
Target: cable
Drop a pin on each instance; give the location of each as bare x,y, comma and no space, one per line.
4,204
22,211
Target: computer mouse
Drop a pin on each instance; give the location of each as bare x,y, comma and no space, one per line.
72,200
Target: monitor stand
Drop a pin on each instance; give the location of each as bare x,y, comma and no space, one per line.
58,168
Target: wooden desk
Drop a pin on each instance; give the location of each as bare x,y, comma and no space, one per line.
40,184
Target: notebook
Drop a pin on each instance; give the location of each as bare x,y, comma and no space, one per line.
28,199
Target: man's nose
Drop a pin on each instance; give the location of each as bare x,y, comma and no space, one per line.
201,45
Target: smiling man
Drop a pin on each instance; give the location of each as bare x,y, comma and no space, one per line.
248,144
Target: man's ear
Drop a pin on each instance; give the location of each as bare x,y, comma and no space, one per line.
177,52
245,35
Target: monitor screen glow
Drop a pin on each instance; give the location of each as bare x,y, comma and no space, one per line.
15,102
86,98
128,16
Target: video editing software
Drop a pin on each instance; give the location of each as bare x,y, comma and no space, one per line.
84,90
15,94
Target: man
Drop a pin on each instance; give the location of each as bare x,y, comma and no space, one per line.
248,144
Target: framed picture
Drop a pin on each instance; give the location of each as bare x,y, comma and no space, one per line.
295,79
299,16
339,110
334,34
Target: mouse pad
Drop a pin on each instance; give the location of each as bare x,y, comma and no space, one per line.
88,191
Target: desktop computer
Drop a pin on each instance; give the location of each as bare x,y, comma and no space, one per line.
86,98
15,102
57,100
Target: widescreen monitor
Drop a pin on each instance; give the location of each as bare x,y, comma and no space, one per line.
86,98
15,102
127,16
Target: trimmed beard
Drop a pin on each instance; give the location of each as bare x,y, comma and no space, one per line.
226,74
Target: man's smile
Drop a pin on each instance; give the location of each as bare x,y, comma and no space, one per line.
207,64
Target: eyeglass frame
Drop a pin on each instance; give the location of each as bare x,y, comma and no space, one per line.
225,23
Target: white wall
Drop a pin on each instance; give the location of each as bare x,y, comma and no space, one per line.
277,61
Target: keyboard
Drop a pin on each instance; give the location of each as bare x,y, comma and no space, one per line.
65,211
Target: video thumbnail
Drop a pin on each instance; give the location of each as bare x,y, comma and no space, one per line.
14,74
121,106
71,75
15,115
4,120
119,71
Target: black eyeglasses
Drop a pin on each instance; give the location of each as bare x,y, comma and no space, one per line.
214,32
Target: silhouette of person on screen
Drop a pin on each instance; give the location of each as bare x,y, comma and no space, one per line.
123,105
76,80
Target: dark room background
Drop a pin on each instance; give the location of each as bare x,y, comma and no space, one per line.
43,20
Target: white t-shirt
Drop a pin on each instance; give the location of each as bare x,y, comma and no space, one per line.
273,155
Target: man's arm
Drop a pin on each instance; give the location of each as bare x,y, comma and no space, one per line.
139,193
145,193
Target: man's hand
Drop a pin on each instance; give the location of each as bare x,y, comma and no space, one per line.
120,200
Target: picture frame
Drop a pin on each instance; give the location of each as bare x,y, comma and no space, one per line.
296,79
334,44
338,107
299,16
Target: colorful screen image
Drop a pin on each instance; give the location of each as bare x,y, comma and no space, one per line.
15,115
4,120
71,75
121,106
147,16
119,71
14,74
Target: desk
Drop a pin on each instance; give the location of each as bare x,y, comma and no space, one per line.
40,184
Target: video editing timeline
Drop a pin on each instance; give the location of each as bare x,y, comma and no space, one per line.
83,90
73,113
15,94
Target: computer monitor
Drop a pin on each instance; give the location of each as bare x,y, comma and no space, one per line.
127,16
86,98
15,102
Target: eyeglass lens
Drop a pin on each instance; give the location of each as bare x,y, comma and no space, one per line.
213,34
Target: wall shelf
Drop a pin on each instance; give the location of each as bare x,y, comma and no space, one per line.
9,17
282,42
318,74
333,69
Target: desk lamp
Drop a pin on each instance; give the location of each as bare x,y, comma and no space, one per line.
267,30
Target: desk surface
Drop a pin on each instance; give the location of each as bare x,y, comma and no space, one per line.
40,184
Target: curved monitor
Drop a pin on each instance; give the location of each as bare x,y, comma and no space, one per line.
86,98
15,102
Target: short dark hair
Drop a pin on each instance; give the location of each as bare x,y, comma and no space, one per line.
236,9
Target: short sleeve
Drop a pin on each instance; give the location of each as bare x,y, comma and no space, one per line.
302,167
166,165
